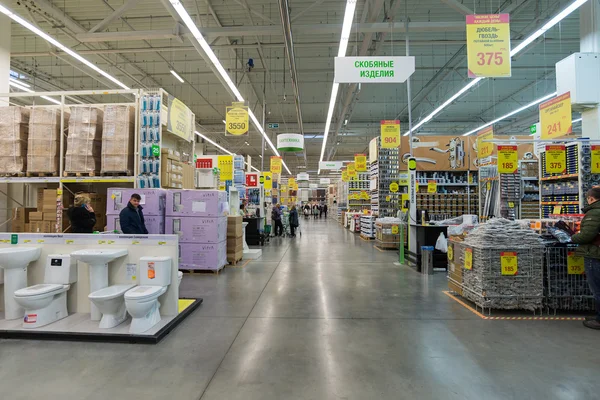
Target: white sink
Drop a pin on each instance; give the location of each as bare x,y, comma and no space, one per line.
98,260
14,261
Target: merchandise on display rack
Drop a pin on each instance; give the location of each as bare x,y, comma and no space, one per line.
446,194
387,232
530,189
388,166
367,227
84,140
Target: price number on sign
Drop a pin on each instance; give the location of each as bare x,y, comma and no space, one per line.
575,264
556,159
553,129
488,58
554,165
391,140
595,159
509,263
236,125
508,165
468,259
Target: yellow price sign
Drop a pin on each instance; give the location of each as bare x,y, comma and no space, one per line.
390,134
351,170
488,45
511,204
268,180
509,262
468,258
508,159
101,241
162,243
395,229
276,166
111,242
404,203
364,195
236,119
135,242
555,117
388,198
403,179
360,161
488,185
575,264
69,241
595,159
557,210
225,164
556,159
431,186
450,253
484,147
394,187
40,241
344,176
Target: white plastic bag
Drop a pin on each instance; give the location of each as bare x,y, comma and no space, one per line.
442,243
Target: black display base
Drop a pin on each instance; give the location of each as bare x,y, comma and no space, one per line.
104,337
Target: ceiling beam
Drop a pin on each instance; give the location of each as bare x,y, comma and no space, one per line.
129,4
128,36
458,6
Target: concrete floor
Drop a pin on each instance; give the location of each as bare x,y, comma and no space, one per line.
322,316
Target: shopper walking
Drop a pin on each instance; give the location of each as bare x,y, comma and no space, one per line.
315,210
276,217
325,210
306,211
132,217
82,215
293,220
589,247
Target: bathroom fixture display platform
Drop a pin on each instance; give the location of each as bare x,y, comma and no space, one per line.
79,327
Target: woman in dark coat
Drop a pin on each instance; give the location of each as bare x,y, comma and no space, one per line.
293,220
82,215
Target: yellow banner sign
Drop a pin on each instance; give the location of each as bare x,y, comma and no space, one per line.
390,134
508,159
468,258
226,167
360,161
404,203
595,159
431,186
292,184
485,148
351,171
180,119
268,181
509,263
275,165
344,175
555,117
556,159
488,45
575,265
236,119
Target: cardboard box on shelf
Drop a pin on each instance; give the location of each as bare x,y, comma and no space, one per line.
49,216
236,256
21,217
199,203
36,216
14,132
170,154
234,226
48,209
197,229
188,176
235,245
118,139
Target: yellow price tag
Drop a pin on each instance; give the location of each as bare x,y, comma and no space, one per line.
225,164
555,117
488,45
236,119
557,210
394,187
111,241
431,187
575,264
509,263
508,159
388,198
556,159
69,241
395,229
40,241
488,185
511,204
390,134
595,159
484,147
450,252
135,242
360,161
276,165
59,192
27,241
468,258
101,241
162,243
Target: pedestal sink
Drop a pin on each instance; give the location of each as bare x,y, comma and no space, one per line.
14,261
98,260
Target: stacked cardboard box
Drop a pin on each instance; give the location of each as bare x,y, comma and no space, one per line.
235,239
84,142
43,145
44,219
21,217
171,169
188,176
117,139
14,128
153,205
198,217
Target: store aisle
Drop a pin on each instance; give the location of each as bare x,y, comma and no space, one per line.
322,316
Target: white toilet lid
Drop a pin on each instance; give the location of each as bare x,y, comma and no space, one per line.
142,292
38,289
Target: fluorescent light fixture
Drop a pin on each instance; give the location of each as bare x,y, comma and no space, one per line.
19,82
345,122
56,43
576,120
183,14
23,88
224,121
176,75
510,114
527,41
346,27
260,156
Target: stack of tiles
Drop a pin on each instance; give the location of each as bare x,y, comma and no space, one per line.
117,139
84,142
14,128
153,208
43,144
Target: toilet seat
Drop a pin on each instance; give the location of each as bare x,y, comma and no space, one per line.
110,292
144,292
41,290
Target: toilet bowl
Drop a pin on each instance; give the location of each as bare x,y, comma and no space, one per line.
142,301
111,303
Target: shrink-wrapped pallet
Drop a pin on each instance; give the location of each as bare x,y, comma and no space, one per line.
44,141
118,139
14,128
84,140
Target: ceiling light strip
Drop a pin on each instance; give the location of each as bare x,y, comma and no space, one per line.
345,37
176,75
555,20
54,42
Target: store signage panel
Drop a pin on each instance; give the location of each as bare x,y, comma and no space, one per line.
180,120
225,164
276,165
360,161
331,165
324,181
485,148
556,159
509,263
236,119
555,117
303,176
508,159
575,264
595,159
268,181
390,134
290,142
488,45
351,171
373,69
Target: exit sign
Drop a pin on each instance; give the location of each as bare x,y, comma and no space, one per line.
273,126
533,129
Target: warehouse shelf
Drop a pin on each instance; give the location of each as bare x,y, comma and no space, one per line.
549,203
558,177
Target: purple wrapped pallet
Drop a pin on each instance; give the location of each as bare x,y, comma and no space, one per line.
203,256
153,200
197,203
154,223
197,229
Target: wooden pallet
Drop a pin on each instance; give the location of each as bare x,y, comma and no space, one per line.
80,174
116,173
202,271
42,174
238,263
367,238
13,174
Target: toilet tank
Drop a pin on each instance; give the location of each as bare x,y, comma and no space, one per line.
155,271
61,269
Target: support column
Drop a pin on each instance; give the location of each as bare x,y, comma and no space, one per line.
589,32
5,26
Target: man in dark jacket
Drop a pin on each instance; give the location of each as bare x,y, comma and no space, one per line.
276,217
293,220
132,217
589,248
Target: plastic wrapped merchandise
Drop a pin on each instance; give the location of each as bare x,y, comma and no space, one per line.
559,234
84,144
43,145
14,130
117,139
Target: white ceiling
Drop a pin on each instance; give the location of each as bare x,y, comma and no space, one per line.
243,29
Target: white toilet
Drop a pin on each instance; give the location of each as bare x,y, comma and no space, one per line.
142,301
47,302
111,303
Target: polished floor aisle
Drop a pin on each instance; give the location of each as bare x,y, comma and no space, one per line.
323,316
